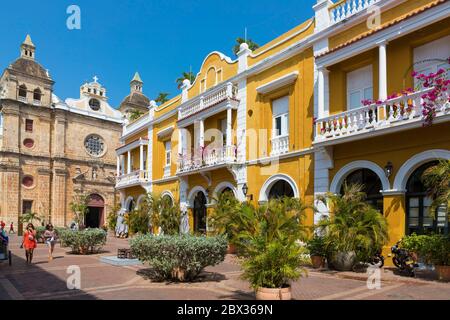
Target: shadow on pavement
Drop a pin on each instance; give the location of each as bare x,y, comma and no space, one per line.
31,282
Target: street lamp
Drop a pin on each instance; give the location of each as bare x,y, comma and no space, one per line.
389,169
245,192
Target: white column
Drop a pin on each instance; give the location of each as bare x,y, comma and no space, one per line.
383,71
118,166
229,126
201,140
322,92
129,162
141,157
122,161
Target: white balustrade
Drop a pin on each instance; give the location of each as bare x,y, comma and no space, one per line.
344,9
208,158
403,109
167,171
280,145
132,178
22,99
37,102
210,98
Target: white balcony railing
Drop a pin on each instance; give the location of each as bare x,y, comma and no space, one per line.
167,171
22,99
345,8
280,145
134,178
222,93
37,103
398,111
209,158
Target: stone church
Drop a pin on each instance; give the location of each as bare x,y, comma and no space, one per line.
53,150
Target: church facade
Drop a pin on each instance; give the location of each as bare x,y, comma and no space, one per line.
52,151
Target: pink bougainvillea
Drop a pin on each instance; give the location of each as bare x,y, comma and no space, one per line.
437,96
439,86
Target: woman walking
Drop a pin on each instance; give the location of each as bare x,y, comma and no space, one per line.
50,240
29,242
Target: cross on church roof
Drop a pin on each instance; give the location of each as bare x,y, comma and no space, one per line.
95,79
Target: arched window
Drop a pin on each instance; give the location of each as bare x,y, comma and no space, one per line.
281,189
372,186
23,91
131,206
200,213
419,218
37,94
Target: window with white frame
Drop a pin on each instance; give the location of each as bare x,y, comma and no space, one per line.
168,152
432,56
280,112
359,87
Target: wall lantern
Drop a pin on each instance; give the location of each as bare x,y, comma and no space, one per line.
245,191
389,169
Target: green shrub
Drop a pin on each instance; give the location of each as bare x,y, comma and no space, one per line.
40,233
316,247
112,218
85,241
414,243
434,249
179,257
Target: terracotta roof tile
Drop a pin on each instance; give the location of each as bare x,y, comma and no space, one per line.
384,26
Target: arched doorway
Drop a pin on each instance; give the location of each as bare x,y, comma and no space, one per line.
419,217
95,214
200,213
372,186
281,189
227,190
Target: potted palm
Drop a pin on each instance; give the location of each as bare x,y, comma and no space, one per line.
317,251
354,229
269,244
221,221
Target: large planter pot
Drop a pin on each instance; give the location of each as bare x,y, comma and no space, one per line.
318,262
344,261
231,249
443,273
266,294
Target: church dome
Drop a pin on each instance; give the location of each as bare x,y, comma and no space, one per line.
29,67
136,99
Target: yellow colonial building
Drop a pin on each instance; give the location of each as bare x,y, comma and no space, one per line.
289,118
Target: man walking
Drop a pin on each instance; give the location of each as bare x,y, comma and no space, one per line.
11,228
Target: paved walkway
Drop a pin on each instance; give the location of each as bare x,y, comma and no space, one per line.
48,280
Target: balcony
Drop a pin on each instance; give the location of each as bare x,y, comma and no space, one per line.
397,114
132,179
37,103
280,145
210,159
167,172
221,93
344,9
22,99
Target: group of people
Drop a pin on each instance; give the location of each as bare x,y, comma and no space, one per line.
29,242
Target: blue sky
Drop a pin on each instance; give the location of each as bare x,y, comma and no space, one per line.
160,39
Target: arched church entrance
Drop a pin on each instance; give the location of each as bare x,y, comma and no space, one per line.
95,214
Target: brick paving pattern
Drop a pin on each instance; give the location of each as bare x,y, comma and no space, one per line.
47,280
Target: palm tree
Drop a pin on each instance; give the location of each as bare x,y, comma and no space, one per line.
135,114
437,181
30,217
251,45
162,213
162,98
185,76
353,225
